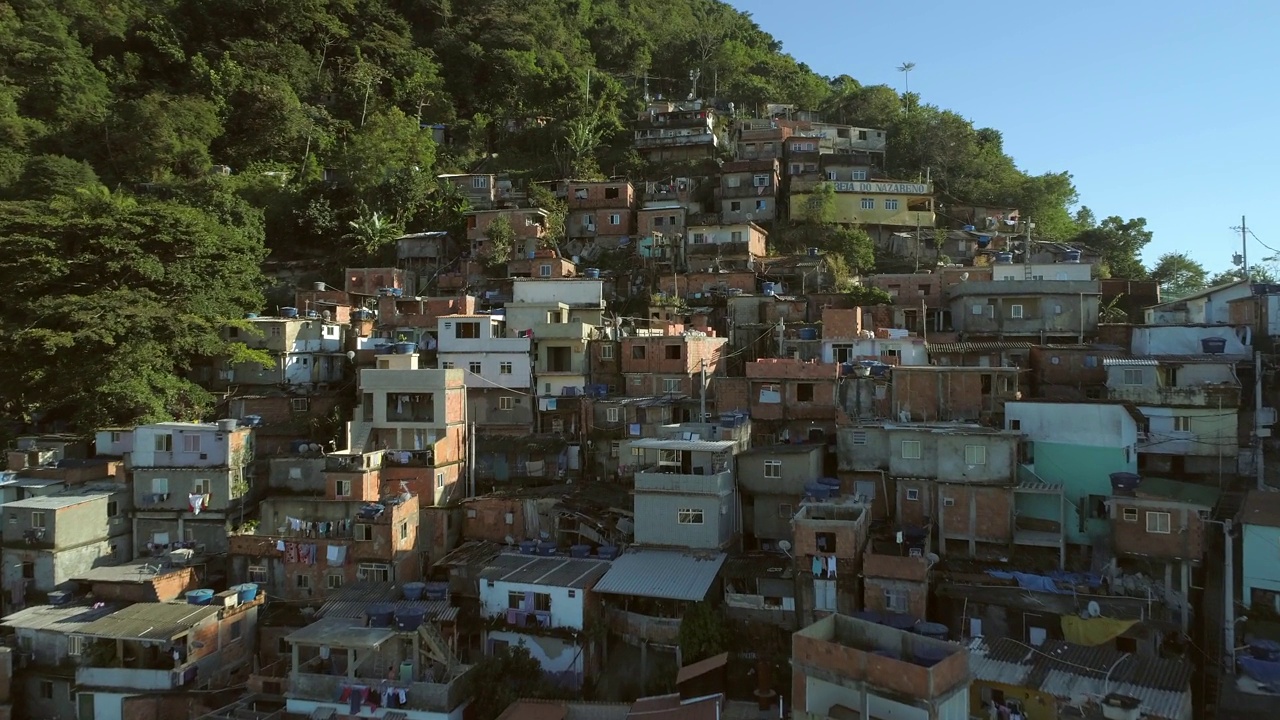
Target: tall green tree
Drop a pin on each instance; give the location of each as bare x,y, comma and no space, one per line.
1119,242
113,301
1179,275
703,633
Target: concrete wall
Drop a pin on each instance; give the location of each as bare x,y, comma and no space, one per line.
1046,307
658,511
224,485
1184,541
1087,424
216,448
566,612
942,453
1260,543
570,292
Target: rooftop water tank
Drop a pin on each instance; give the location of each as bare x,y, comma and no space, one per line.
1213,345
408,619
817,491
227,425
808,333
1071,256
1004,258
247,592
769,288
969,228
529,547
813,252
318,286
405,348
937,631
413,590
251,316
200,597
607,552
546,549
381,615
984,240
580,551
1123,483
435,591
288,312
593,273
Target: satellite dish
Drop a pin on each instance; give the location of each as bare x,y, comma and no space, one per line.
932,558
510,540
964,276
544,534
1093,610
784,545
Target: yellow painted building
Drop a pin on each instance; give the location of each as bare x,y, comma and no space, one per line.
897,204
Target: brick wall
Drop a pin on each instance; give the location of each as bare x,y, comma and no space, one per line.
982,512
731,393
851,539
164,707
875,586
697,282
914,512
166,587
367,281
841,323
1130,537
485,518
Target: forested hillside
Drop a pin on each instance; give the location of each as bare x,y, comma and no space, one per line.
125,253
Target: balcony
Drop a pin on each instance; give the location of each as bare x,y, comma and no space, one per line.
421,696
1225,395
518,618
675,138
128,678
655,479
664,631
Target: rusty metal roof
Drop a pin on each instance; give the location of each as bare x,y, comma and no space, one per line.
966,347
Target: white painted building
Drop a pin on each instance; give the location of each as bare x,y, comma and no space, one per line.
1207,307
1042,271
1157,340
537,303
481,347
1086,424
305,351
532,594
896,351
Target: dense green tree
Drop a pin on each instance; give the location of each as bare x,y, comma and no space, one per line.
387,144
159,136
703,633
48,176
112,300
1119,242
499,242
509,674
1178,275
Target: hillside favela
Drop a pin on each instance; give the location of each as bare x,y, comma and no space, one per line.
634,360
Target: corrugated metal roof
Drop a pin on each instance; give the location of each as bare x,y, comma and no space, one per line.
665,574
963,347
352,601
1128,362
470,553
692,445
1002,661
341,633
1184,359
62,618
150,621
564,572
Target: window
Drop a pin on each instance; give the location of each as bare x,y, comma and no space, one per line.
701,238
113,508
804,392
363,532
658,221
467,330
637,352
670,385
606,351
544,271
735,205
191,443
258,573
506,402
910,449
302,581
859,174
825,541
831,174
674,352
614,448
37,520
615,219
479,183
785,510
446,365
1015,424
46,689
342,488
1015,311
975,454
75,645
611,193
890,204
689,516
404,530
1158,522
761,180
976,309
375,572
611,414
762,204
1133,376
504,368
1131,514
439,480
868,203
515,600
895,601
474,368
300,404
948,502
732,181
773,468
202,486
913,494
735,236
164,443
237,627
1182,423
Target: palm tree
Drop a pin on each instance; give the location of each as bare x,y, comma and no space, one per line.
906,68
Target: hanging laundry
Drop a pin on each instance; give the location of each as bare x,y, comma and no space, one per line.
280,545
817,566
831,566
197,502
291,552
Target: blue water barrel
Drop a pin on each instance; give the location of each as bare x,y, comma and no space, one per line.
413,590
405,348
607,552
1213,345
817,491
248,592
1125,482
937,631
769,288
409,620
436,591
928,657
808,333
580,551
984,240
200,597
384,350
529,547
362,314
830,482
546,549
1004,258
593,273
969,228
313,314
1071,256
381,615
288,312
251,316
813,252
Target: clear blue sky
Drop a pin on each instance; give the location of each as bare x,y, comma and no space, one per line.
1168,111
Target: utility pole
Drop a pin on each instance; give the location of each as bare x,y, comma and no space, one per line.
1244,247
1258,468
782,337
1229,602
471,460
